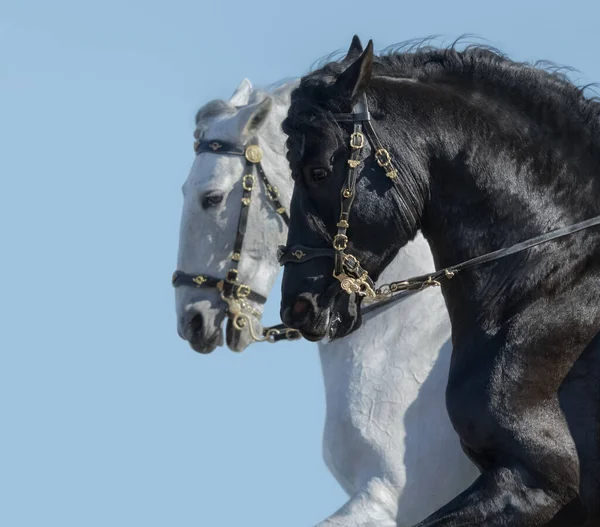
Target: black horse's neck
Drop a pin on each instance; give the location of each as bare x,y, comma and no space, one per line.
497,173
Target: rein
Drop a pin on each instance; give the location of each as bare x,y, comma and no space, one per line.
347,269
234,293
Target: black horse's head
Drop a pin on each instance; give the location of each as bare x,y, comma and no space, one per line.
381,219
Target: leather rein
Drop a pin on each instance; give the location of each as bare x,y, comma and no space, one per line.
347,268
233,292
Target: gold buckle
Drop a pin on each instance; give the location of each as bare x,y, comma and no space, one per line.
243,290
340,242
248,182
253,153
357,140
383,157
235,272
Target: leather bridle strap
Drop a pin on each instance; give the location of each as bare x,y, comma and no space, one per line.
447,273
201,280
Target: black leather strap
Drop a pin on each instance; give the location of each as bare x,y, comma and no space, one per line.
418,282
219,147
301,253
200,280
273,195
353,117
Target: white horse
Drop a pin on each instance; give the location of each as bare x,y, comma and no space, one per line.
387,440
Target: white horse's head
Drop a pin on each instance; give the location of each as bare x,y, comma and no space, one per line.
211,210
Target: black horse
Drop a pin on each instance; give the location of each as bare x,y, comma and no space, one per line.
486,153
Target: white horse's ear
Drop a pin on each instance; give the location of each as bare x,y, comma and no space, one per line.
253,116
242,94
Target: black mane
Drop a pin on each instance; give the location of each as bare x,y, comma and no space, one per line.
542,89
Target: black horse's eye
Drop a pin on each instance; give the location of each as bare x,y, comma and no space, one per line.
319,174
211,199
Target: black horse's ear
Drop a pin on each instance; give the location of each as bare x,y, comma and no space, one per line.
355,80
355,49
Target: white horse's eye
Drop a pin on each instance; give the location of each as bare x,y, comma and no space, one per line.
211,199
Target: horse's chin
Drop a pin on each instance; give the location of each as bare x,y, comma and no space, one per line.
345,316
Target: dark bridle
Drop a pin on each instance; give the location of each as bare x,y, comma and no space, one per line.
347,268
234,293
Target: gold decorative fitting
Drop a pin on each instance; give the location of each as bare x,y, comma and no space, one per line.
383,157
272,192
248,182
360,286
199,279
281,210
430,282
357,140
236,257
245,201
340,242
343,224
449,274
196,145
215,146
243,290
392,174
347,193
299,254
220,285
253,153
354,162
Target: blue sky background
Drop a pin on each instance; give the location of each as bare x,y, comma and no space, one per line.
107,418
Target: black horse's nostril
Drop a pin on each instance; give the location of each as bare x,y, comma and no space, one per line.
298,314
300,306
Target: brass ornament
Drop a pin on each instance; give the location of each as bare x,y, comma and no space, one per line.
199,280
357,140
253,153
340,242
248,182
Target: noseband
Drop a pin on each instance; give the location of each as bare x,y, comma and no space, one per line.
234,293
347,269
